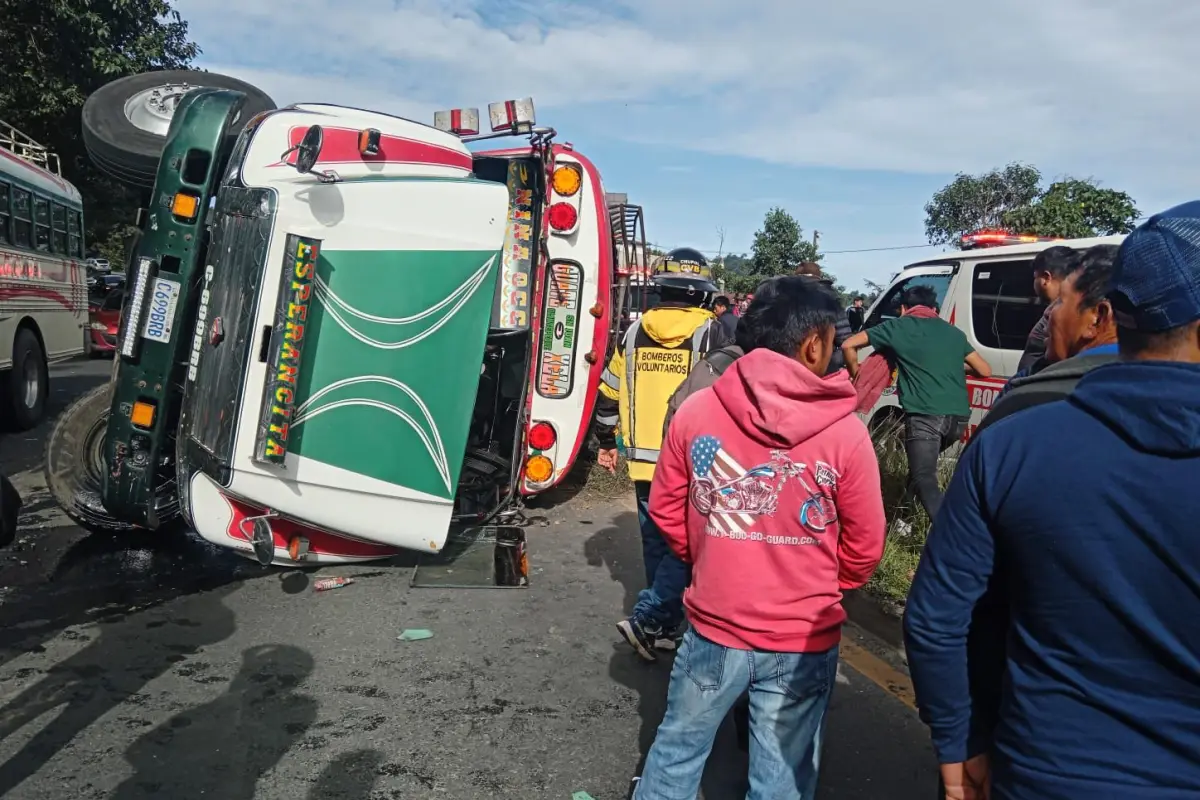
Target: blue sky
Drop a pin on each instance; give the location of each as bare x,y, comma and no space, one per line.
849,115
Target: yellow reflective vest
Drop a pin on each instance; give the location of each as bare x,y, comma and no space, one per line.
653,358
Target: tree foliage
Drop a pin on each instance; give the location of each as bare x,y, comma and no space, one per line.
53,54
973,202
779,247
1075,209
1012,199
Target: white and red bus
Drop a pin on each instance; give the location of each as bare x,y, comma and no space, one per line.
43,282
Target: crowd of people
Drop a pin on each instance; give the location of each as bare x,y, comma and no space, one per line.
1051,629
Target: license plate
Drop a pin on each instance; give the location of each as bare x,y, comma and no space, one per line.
164,296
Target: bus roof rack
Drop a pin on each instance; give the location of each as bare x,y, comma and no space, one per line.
629,235
25,148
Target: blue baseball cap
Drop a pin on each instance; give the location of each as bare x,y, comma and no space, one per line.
1156,280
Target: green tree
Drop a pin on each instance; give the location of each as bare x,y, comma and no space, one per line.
974,202
53,54
1075,209
1012,199
779,247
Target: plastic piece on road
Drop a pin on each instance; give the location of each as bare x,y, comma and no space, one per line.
325,584
582,796
414,635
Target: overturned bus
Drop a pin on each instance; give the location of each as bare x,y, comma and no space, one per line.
345,332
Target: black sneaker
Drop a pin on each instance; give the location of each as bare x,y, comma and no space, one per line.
670,638
641,637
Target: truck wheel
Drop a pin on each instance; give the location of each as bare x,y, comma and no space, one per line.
75,461
125,122
27,384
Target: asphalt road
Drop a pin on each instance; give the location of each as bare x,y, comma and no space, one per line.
165,669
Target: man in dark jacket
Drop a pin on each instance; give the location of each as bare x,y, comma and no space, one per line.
1100,576
856,315
1082,336
723,309
1050,268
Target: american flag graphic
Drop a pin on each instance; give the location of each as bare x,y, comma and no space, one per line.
709,460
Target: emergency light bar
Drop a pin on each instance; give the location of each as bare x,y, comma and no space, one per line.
512,116
458,121
982,239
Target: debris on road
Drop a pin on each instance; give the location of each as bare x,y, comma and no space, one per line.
582,796
414,635
325,584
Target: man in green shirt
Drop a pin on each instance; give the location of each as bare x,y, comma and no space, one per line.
929,354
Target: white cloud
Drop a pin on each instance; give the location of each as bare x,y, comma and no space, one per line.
1091,87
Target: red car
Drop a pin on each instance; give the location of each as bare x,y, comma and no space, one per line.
104,319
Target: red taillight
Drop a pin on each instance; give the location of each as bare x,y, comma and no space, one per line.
542,436
563,216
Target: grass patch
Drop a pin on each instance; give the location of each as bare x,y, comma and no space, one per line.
592,482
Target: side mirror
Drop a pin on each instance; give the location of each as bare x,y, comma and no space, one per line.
309,149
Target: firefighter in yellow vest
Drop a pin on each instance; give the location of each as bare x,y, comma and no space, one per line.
651,360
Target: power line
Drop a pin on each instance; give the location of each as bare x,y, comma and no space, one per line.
823,252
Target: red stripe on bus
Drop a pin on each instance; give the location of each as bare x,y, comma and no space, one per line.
340,146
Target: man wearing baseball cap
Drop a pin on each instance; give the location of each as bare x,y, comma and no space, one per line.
1091,686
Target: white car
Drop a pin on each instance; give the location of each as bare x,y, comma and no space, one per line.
987,291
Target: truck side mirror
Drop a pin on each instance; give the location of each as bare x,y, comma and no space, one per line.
309,149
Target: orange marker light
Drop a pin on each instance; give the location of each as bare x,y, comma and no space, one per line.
539,469
142,415
567,180
185,206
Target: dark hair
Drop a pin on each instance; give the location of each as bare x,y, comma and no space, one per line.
919,296
721,300
1059,261
1094,274
810,268
785,311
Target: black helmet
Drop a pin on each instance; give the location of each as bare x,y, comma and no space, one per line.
683,275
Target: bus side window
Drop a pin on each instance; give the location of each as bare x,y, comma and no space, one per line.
41,224
58,234
74,235
22,219
5,236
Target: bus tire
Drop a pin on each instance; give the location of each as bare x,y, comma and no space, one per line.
129,152
75,461
27,385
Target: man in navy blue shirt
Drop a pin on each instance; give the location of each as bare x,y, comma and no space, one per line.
1087,683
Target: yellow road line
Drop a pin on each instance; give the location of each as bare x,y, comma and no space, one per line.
878,671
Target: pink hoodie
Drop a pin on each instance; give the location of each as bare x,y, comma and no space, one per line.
769,486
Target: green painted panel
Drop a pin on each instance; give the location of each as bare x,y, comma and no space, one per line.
391,363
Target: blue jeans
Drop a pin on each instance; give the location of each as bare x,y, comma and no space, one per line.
789,694
660,604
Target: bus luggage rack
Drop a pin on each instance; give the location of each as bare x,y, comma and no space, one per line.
25,148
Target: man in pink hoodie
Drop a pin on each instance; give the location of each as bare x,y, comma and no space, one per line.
768,486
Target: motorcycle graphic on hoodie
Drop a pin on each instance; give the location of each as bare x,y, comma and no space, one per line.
732,496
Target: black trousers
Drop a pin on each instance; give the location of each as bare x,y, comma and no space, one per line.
926,436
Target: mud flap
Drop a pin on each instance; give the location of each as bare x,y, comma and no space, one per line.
487,557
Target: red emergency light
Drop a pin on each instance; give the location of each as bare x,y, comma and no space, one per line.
1001,238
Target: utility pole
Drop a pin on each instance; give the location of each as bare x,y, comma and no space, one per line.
816,237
